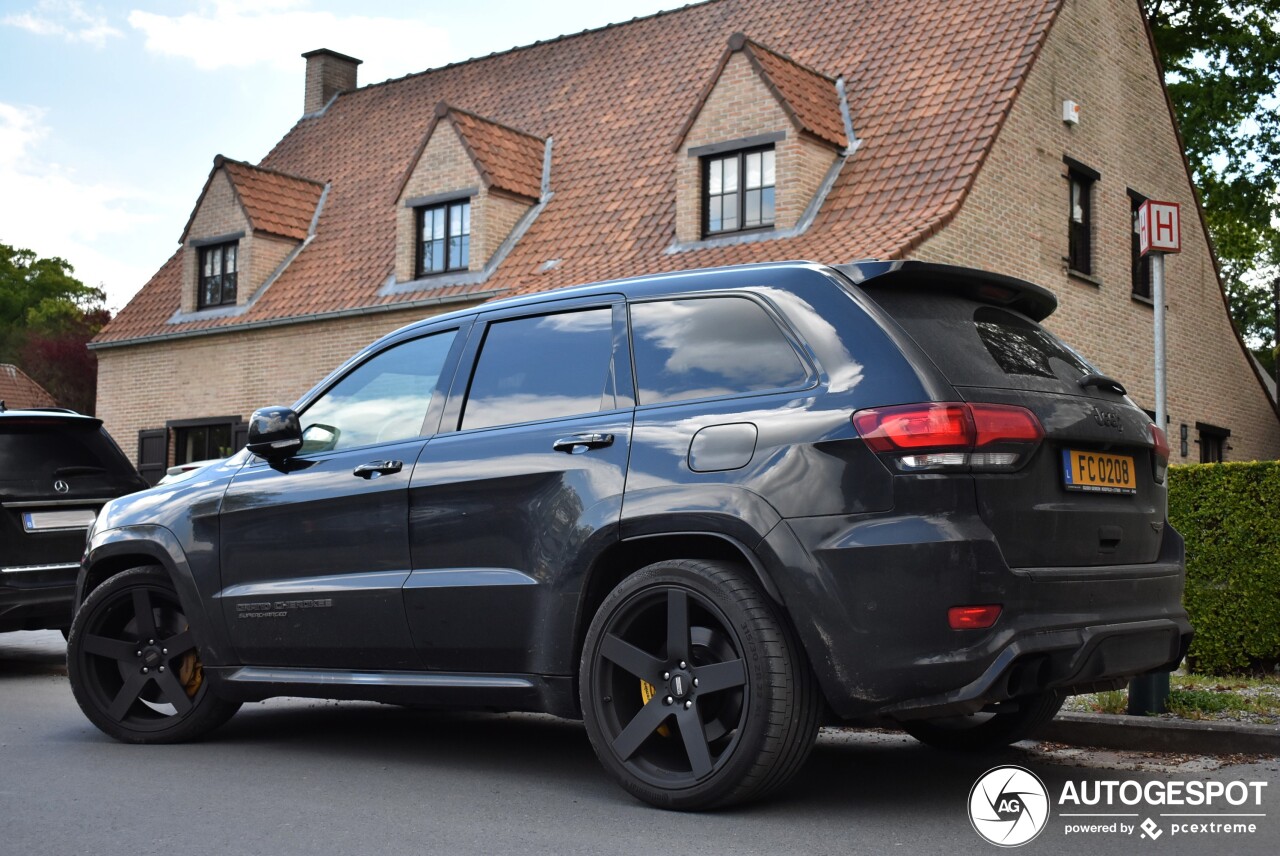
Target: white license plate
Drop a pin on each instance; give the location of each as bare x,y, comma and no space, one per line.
55,521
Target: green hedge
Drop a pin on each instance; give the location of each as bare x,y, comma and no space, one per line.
1229,515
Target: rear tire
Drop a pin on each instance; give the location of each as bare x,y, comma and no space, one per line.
1021,718
133,663
694,691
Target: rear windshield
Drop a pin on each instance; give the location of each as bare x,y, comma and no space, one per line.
979,345
35,453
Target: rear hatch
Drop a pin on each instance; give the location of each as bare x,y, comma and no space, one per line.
1089,496
56,471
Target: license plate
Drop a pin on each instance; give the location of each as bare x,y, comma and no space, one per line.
1098,473
54,521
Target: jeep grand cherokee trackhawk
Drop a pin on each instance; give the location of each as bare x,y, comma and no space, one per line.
702,511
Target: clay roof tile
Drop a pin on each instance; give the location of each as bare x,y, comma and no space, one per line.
510,160
20,392
929,83
274,202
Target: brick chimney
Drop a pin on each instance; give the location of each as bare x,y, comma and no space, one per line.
328,73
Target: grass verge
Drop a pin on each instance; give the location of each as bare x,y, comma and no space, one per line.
1200,697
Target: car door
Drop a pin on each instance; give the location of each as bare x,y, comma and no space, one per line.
523,482
315,550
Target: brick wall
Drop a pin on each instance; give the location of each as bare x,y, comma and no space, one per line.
267,254
1015,221
499,215
739,106
445,167
139,386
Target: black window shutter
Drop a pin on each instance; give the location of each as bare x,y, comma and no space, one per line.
153,453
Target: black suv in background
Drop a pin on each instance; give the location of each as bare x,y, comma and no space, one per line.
702,511
57,469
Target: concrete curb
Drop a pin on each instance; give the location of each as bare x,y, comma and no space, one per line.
1148,734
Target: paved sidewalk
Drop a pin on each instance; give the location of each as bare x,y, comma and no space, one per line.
1149,734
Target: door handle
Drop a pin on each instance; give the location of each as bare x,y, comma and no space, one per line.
373,469
578,443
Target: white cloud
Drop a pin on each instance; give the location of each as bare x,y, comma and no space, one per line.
49,209
66,18
238,33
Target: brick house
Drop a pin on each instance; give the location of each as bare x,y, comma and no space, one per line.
725,132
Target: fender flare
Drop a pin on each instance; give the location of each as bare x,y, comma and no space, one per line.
160,545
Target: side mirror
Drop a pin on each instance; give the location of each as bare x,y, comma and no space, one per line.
274,433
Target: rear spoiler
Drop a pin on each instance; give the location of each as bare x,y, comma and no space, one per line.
1035,302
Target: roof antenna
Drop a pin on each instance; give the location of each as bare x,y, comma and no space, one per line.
2,407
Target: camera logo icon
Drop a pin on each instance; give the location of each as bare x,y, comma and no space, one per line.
1009,806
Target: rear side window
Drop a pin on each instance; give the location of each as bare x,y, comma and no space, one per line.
41,451
979,345
710,346
543,367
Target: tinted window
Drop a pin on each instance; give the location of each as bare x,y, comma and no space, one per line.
979,345
1021,347
709,346
34,452
383,400
543,367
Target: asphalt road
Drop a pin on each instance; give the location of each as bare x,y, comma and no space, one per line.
304,777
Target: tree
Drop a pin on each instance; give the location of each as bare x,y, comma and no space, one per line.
47,317
1222,66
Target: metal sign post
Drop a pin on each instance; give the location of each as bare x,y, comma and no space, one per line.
1159,232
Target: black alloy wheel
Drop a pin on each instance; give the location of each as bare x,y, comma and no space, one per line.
133,664
694,692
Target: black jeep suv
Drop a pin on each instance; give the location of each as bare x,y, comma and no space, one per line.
702,511
57,469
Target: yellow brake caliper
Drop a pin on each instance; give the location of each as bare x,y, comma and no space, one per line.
191,673
647,691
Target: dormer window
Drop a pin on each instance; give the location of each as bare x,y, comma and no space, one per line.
444,237
247,227
469,185
760,149
218,274
739,191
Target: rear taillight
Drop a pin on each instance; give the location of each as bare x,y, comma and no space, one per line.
973,617
950,436
1160,448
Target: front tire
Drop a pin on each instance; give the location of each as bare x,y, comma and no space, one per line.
694,691
133,664
1012,721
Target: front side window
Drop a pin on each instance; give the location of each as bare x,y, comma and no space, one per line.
738,191
1080,222
543,367
708,347
383,400
218,273
444,238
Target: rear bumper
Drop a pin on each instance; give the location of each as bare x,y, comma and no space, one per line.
37,597
869,597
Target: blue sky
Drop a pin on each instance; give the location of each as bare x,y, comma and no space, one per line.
111,113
